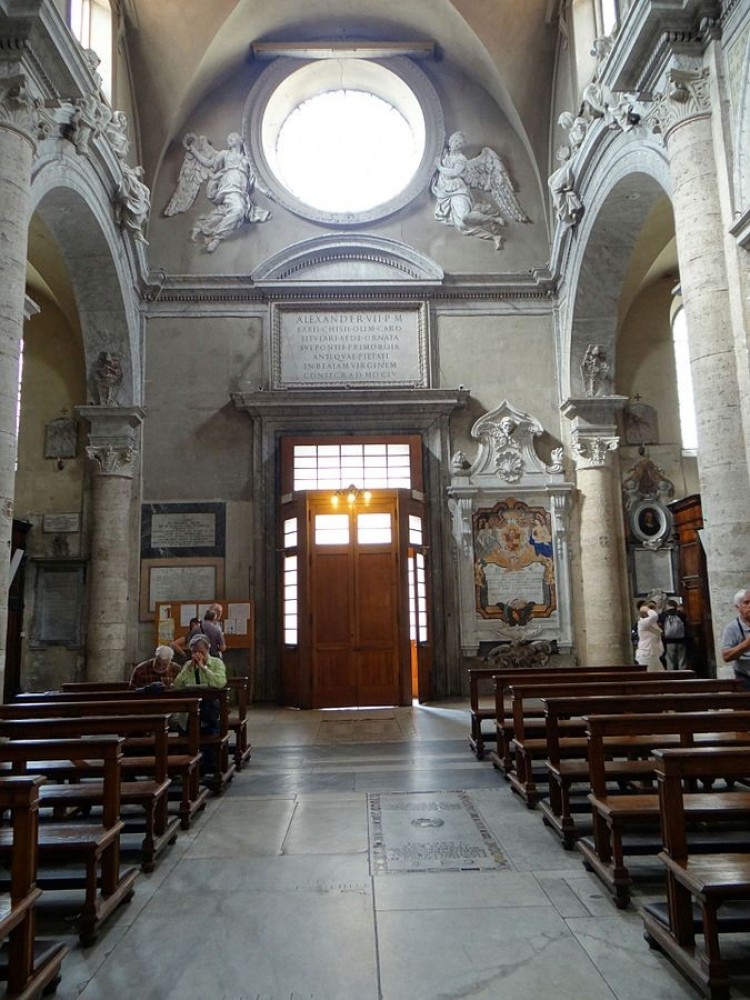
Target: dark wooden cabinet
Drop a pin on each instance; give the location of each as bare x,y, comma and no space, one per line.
692,582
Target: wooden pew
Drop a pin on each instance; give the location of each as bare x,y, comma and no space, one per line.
184,756
29,967
148,792
614,815
503,760
529,738
706,881
184,753
482,694
94,847
241,688
216,746
564,774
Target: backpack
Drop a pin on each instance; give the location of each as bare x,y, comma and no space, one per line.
674,626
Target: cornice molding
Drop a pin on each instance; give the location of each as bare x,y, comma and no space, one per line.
653,32
164,289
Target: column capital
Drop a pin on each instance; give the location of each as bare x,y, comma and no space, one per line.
687,98
113,461
593,452
113,436
19,111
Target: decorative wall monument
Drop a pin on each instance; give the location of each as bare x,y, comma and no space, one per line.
514,567
510,515
61,438
325,346
646,492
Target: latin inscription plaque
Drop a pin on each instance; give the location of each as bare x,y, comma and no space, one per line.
183,531
179,530
329,347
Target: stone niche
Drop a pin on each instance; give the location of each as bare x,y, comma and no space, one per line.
510,526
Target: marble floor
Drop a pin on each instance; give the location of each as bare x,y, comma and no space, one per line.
273,895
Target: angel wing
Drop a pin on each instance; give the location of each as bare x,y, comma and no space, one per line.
487,172
200,156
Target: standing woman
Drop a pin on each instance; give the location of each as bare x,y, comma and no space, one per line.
650,648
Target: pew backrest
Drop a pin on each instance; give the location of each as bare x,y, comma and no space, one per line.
683,725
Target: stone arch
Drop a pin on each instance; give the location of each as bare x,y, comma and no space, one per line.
74,206
618,192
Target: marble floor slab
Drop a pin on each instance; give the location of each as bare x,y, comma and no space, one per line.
430,831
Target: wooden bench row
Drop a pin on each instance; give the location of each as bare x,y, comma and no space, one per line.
617,738
708,893
483,695
84,854
238,688
28,966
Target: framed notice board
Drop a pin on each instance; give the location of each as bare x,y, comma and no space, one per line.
173,621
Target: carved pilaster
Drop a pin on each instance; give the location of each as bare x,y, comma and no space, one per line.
687,98
460,508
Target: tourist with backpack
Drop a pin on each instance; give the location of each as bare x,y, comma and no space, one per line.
674,635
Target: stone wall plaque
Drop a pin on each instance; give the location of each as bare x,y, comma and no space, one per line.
61,524
653,570
57,605
325,346
178,530
172,580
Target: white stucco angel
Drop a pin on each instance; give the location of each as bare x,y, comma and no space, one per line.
230,181
456,182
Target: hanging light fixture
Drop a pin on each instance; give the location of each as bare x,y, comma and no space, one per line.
351,494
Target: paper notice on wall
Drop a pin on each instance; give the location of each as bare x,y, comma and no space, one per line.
187,611
235,626
166,629
238,611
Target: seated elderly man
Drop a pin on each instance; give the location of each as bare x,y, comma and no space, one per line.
160,669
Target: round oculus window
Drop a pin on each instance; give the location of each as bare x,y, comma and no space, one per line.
344,141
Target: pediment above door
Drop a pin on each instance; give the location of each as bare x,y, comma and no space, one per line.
349,261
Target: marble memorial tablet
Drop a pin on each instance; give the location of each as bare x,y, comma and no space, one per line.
178,530
330,347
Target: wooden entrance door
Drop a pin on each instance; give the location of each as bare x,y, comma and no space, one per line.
354,603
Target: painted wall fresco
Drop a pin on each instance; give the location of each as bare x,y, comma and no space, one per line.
514,568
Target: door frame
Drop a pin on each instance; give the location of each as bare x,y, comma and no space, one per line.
422,412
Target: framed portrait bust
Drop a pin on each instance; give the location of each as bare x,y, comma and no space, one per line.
650,522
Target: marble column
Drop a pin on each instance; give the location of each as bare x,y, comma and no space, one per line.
113,440
595,444
683,115
16,155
